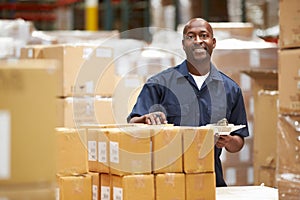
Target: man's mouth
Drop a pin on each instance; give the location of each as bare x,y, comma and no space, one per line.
199,50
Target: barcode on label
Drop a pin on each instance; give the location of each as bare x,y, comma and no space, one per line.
114,152
118,193
92,147
102,153
105,193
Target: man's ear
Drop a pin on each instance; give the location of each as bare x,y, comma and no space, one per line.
214,42
182,42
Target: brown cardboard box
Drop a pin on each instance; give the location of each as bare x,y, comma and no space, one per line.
105,187
265,94
92,140
289,23
71,152
288,186
233,29
200,186
28,192
98,146
86,68
32,51
198,150
167,149
125,96
288,80
170,186
133,187
288,144
95,185
75,187
75,111
267,176
130,150
237,55
27,121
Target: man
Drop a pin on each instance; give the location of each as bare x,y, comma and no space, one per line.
195,93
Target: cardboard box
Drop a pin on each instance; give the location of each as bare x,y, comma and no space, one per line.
71,152
75,111
170,186
267,176
33,51
133,187
202,185
125,96
74,187
98,146
105,187
95,185
198,150
288,141
87,69
28,192
129,150
289,81
167,149
288,186
265,94
27,121
289,23
237,55
233,30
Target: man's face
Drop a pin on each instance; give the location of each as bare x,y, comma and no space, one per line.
198,42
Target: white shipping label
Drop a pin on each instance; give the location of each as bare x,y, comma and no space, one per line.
102,154
57,192
89,85
5,133
117,193
87,52
30,53
95,192
254,58
114,152
92,147
105,193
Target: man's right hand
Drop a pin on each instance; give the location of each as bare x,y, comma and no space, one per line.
154,118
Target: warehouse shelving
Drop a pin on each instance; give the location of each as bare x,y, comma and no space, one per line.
42,13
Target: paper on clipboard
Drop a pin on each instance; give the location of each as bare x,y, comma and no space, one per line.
225,130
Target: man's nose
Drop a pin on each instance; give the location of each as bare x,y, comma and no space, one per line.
198,39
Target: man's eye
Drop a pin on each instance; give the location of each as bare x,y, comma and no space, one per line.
190,37
204,36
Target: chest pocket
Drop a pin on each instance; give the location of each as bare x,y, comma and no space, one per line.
182,114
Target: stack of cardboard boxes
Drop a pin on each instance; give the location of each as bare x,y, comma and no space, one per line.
288,164
28,89
72,177
152,162
86,81
265,96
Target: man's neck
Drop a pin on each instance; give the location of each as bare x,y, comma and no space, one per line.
199,69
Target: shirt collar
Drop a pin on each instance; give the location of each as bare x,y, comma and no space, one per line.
214,72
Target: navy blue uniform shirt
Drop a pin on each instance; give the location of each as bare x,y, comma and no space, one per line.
174,92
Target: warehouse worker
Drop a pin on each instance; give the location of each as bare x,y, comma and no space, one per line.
195,93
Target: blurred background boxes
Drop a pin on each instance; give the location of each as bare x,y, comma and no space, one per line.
27,112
